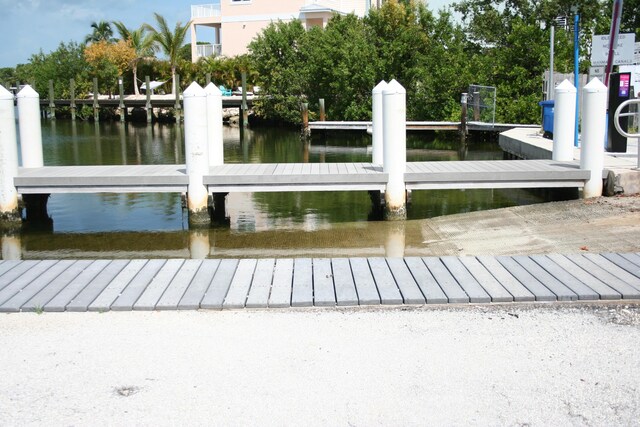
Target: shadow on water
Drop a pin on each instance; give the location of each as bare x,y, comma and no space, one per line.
253,224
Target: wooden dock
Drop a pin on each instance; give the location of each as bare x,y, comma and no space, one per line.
178,284
234,101
419,126
301,177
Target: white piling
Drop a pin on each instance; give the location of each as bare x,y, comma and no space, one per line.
30,128
563,121
196,151
377,157
8,156
594,111
214,119
394,106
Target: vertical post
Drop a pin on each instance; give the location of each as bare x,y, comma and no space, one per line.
207,78
196,152
245,108
394,113
476,106
552,44
463,118
52,104
563,128
96,105
304,108
214,123
30,128
593,131
576,73
147,82
8,158
122,107
176,105
72,94
322,112
377,124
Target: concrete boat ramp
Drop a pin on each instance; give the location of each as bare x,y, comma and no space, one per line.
175,284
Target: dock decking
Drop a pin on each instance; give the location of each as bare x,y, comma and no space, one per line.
418,126
301,177
177,284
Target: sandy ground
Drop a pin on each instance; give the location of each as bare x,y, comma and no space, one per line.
554,364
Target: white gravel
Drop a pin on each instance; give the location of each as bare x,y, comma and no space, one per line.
556,364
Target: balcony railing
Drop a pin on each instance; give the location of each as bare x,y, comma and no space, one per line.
207,50
205,10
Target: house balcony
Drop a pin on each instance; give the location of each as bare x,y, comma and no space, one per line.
208,50
203,11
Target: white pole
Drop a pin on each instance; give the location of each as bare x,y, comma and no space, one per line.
8,156
30,130
394,106
376,123
196,151
214,119
593,130
563,127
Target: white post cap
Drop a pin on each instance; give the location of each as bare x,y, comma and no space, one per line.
194,90
393,87
595,85
212,89
5,94
380,87
565,87
28,92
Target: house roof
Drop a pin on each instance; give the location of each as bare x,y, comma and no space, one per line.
317,8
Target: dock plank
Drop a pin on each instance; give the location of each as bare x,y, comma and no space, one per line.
282,284
115,288
19,283
506,279
85,297
385,282
323,292
466,280
624,263
199,285
562,292
15,273
240,285
152,293
14,303
138,285
425,281
302,292
39,300
59,301
409,289
490,284
582,291
343,281
614,269
261,284
541,292
178,285
217,292
602,289
626,290
451,288
365,284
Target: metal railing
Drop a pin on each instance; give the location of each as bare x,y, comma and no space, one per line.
619,113
206,50
205,10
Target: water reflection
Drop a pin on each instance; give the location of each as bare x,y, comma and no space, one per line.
248,224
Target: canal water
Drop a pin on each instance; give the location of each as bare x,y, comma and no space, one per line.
258,224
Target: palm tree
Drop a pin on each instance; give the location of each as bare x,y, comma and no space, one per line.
170,42
143,44
102,31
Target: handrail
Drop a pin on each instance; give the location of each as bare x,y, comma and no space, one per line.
616,122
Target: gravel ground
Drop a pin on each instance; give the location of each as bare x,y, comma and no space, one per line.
514,365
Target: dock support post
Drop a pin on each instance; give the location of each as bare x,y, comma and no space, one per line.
377,155
147,82
476,106
245,107
96,105
394,105
123,110
304,109
207,79
72,95
593,130
30,128
323,115
196,153
52,104
564,112
214,123
176,105
9,212
463,119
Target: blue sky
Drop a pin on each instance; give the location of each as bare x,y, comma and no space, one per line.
31,25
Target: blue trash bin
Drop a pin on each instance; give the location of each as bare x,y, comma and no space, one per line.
547,117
